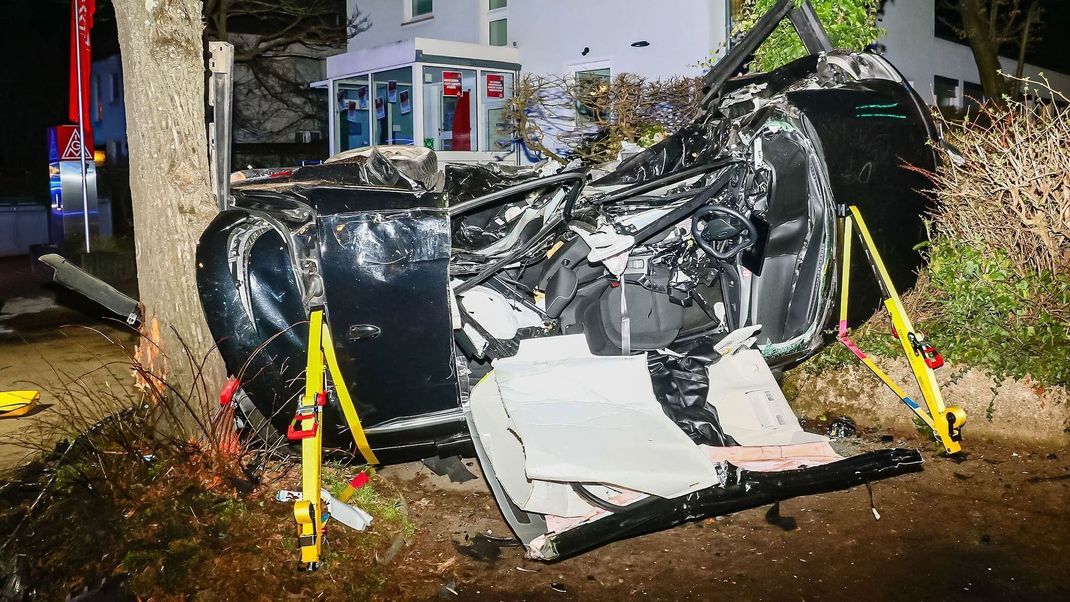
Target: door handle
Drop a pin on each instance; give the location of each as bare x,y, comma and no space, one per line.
361,332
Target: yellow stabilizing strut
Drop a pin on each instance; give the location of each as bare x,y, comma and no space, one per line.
306,427
945,422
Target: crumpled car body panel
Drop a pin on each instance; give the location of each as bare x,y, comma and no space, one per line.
821,145
722,237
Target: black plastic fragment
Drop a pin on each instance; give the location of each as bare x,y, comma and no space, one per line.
680,385
744,490
773,517
451,466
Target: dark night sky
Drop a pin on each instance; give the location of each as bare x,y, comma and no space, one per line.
1050,51
35,44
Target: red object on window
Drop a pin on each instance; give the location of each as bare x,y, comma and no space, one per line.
462,124
81,24
495,86
451,83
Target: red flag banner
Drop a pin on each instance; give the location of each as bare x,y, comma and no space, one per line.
81,24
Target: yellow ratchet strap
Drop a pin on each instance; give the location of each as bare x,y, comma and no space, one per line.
306,427
945,422
350,411
18,403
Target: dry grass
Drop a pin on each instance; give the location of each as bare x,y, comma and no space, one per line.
149,492
1011,191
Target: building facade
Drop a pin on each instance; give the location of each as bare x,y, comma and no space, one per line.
466,54
438,42
108,110
943,71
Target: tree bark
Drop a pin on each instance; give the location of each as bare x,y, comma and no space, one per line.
979,26
164,76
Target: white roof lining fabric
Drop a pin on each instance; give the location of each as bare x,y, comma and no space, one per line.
580,418
750,405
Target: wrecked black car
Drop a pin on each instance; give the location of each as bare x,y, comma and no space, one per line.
608,343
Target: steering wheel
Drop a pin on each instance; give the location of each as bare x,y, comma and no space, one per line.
714,226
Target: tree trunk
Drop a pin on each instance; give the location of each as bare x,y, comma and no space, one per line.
164,76
976,22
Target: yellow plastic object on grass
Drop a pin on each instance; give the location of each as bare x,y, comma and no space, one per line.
18,403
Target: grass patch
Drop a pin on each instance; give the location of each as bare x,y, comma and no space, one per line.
979,311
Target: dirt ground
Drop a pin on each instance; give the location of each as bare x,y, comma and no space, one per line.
991,527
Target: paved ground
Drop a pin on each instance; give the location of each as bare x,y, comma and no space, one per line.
50,339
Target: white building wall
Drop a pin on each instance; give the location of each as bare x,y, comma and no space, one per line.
551,34
457,20
912,46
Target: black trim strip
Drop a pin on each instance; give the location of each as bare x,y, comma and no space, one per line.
465,62
744,490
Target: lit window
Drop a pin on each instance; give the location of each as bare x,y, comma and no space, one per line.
422,7
497,90
391,106
592,87
499,33
449,99
353,99
496,4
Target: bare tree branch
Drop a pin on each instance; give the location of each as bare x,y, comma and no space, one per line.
271,37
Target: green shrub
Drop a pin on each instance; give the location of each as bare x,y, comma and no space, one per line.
985,313
851,24
1007,187
979,311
